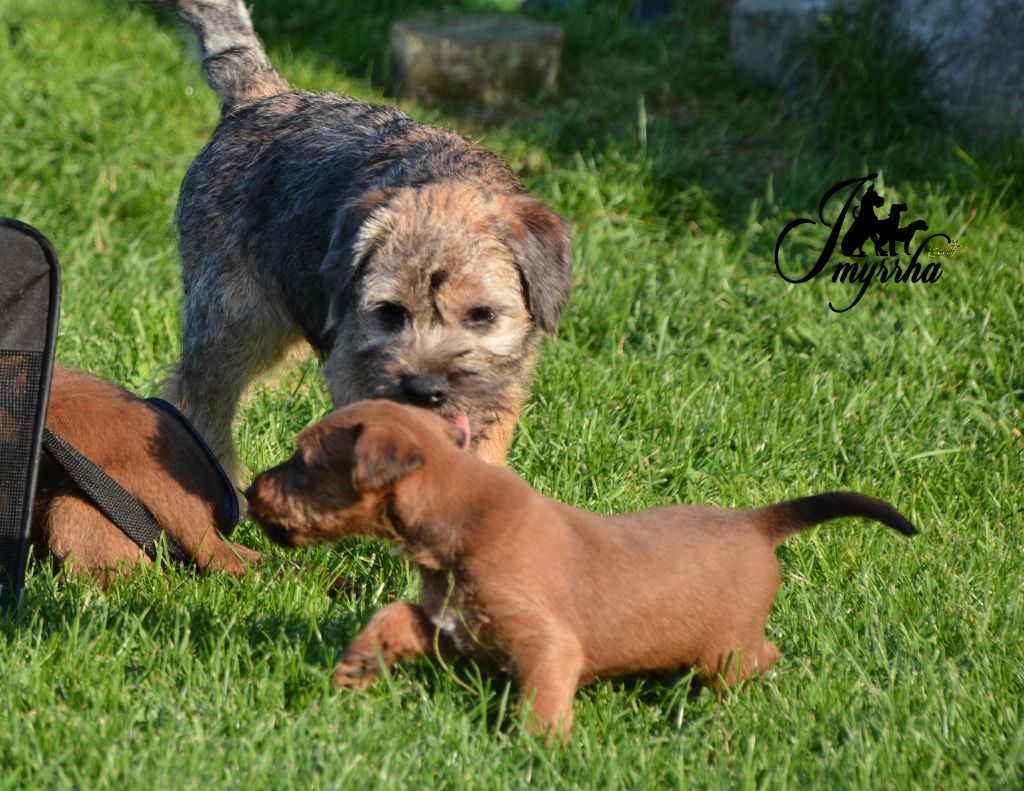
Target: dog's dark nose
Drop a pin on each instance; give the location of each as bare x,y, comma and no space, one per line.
249,492
428,391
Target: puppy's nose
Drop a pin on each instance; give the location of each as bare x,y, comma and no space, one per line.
428,391
248,493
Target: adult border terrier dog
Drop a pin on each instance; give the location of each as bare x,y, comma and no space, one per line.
410,259
554,594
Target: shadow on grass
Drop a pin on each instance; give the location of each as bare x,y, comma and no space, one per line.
159,602
493,699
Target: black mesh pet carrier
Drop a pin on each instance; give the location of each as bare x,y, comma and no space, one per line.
29,308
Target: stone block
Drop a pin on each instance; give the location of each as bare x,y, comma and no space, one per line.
975,52
767,36
474,58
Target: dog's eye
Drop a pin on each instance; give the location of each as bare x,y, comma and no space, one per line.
391,316
481,317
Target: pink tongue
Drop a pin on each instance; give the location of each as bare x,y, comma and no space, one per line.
462,421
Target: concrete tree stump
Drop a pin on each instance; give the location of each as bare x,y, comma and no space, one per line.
474,58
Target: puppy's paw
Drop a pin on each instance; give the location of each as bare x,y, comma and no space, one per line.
355,672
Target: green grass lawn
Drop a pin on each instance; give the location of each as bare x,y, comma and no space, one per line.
686,370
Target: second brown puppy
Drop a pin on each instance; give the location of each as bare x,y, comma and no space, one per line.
556,595
153,457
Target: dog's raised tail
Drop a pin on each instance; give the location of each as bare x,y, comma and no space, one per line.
792,516
234,61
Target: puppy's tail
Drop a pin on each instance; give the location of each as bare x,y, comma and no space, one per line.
234,61
783,519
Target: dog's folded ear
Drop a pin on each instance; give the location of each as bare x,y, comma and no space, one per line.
352,236
383,454
542,246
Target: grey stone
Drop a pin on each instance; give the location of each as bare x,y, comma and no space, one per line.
490,58
767,36
975,52
973,49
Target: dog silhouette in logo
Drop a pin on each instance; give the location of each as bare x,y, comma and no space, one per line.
905,234
889,229
865,226
890,233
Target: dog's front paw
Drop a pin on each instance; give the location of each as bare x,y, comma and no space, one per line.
355,671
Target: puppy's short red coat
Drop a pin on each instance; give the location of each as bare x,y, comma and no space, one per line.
556,595
151,455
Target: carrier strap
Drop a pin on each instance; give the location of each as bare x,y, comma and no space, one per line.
120,507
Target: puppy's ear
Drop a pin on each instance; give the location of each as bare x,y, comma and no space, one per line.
543,249
383,454
358,225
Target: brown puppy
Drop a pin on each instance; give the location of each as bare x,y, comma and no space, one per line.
410,259
556,595
150,454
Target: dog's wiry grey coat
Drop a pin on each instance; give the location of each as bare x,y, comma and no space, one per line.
411,260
